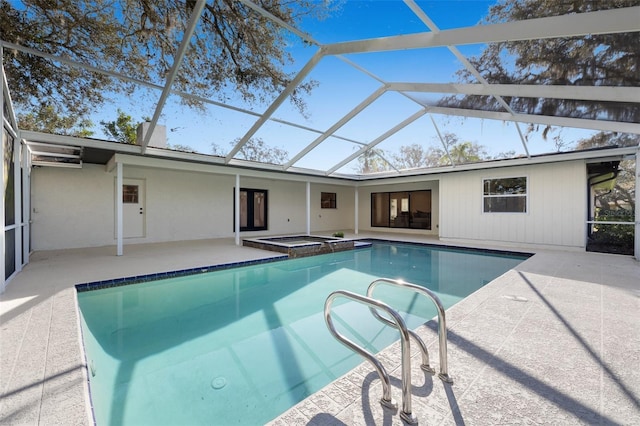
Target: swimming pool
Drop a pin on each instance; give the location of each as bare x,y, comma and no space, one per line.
240,346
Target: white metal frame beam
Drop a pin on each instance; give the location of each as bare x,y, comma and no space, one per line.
344,120
175,67
580,123
154,86
442,141
378,140
580,24
304,36
465,62
309,66
599,22
594,93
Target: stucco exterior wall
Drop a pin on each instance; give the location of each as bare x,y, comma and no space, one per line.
75,208
71,207
557,207
342,218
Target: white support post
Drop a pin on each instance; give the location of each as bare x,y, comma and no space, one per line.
637,227
26,208
355,222
17,213
308,208
119,208
2,245
236,200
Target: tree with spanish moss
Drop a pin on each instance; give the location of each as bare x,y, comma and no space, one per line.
47,120
591,60
622,195
235,51
616,202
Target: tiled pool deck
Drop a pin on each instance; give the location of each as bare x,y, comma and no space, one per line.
554,341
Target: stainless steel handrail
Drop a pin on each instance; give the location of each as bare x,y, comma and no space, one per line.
373,304
442,324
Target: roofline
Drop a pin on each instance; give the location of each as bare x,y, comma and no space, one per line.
608,21
603,153
255,168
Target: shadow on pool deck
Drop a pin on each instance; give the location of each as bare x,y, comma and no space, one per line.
561,352
553,341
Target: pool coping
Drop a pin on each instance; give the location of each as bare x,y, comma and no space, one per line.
360,243
118,282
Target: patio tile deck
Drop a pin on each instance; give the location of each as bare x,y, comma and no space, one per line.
555,340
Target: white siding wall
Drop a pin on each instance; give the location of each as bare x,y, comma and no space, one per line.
76,207
556,213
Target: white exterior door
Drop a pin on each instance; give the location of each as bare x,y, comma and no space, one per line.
133,208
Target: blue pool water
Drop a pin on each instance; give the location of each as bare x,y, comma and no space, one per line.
240,346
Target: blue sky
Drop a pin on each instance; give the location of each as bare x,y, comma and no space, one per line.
342,87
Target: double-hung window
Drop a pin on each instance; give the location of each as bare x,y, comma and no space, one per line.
505,195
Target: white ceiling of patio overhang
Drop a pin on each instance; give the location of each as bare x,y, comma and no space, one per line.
379,82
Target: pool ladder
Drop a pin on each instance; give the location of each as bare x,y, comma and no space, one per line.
394,320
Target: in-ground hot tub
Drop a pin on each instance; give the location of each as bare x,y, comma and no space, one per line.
300,245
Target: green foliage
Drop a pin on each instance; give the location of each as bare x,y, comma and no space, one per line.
613,238
617,204
466,152
372,161
47,120
123,129
591,60
235,51
415,155
622,196
338,234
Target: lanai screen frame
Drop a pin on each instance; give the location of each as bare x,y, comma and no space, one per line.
572,25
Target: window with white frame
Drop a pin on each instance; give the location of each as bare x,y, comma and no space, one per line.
505,195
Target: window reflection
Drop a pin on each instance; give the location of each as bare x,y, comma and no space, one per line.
253,209
406,209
